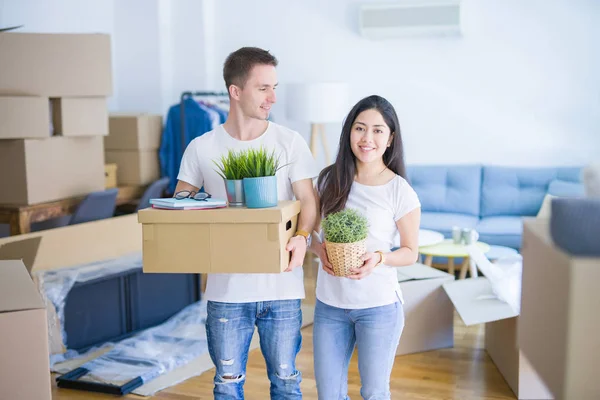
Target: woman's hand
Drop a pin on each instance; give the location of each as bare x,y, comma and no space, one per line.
371,260
322,253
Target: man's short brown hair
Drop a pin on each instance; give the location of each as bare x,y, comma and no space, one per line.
239,63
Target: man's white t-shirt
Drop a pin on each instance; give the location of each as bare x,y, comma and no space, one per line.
198,169
383,205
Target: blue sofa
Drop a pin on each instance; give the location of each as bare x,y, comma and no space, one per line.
490,199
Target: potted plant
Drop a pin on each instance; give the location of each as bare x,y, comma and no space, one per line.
345,240
260,183
230,169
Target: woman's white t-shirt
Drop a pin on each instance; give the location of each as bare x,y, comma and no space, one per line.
197,168
383,205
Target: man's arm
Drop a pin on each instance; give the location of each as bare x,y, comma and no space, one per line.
181,185
305,193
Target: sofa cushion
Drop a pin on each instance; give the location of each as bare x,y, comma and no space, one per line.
443,222
501,231
519,191
447,189
560,188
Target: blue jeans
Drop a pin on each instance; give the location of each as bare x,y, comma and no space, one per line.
375,332
229,330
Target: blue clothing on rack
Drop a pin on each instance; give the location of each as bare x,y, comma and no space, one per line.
222,113
197,122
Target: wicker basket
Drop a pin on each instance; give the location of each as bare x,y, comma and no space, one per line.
345,256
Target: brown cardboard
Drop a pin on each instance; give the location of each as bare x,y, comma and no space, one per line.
501,346
55,65
228,240
36,171
24,117
80,116
74,245
24,365
428,312
110,176
559,314
134,167
475,303
134,132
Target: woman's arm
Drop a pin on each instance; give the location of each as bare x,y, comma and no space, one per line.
408,253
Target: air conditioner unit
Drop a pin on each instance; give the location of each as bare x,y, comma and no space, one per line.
410,18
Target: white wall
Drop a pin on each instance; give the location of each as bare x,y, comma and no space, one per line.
522,86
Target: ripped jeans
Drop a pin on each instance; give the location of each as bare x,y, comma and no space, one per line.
229,330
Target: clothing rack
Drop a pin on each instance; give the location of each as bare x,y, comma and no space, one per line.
190,94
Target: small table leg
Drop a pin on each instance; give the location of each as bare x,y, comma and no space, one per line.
451,265
463,269
428,260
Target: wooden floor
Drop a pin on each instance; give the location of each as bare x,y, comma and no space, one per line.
463,372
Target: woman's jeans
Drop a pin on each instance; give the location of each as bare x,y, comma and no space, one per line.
375,332
229,329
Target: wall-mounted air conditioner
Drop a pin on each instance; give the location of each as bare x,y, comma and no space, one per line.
410,18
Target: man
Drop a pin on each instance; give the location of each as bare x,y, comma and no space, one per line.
239,302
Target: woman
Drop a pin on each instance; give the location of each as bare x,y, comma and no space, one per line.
365,308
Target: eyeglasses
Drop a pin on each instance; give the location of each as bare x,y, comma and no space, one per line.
187,194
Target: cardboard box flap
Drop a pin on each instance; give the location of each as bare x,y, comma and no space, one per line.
476,303
234,215
17,290
419,272
74,245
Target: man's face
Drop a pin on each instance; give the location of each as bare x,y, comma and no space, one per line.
258,94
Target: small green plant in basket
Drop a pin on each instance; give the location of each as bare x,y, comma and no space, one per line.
346,226
345,240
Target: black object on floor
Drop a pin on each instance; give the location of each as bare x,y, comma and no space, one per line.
70,380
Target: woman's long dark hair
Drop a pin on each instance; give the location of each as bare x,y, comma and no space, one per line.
335,181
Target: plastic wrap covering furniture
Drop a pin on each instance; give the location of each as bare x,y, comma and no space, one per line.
55,285
152,352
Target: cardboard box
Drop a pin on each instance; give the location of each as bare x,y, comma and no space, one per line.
36,171
134,132
429,314
134,167
24,117
110,176
80,116
74,245
228,240
476,303
558,331
23,336
55,65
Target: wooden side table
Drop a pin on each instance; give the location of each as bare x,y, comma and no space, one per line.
20,217
448,249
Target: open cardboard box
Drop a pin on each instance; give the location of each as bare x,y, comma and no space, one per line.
559,308
476,303
428,311
227,240
24,365
75,244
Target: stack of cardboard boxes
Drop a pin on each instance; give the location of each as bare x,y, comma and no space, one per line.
132,145
53,108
